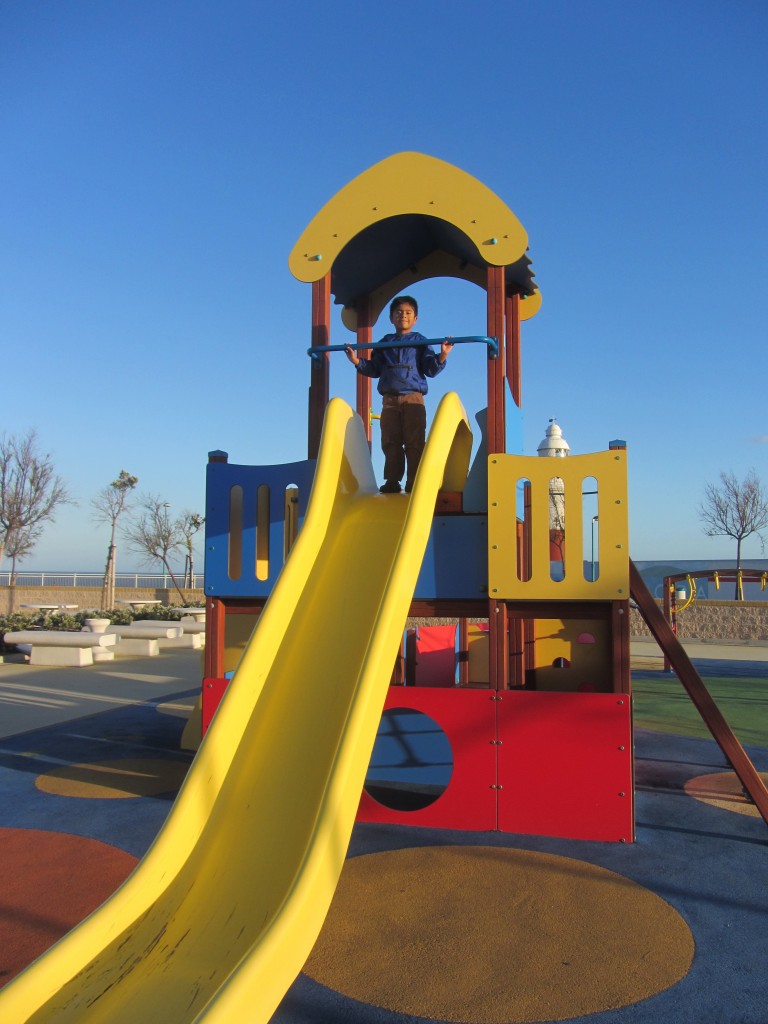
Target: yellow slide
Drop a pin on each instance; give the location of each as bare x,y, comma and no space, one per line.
220,915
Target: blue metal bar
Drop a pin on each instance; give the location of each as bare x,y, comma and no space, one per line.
473,339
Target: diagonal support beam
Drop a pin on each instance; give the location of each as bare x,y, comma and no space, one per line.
713,718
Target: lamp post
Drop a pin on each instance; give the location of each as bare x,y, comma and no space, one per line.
594,520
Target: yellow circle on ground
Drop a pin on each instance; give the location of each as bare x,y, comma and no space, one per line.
481,935
110,780
723,790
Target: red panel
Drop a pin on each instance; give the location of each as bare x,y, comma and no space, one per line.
468,718
213,691
565,765
436,656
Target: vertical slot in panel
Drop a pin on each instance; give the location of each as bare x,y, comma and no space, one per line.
556,490
589,507
291,527
262,532
523,494
235,550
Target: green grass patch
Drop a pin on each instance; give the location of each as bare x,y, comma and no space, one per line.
662,704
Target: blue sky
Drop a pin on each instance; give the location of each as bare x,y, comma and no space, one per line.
160,159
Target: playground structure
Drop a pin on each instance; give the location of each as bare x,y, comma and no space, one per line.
220,915
532,723
553,708
673,593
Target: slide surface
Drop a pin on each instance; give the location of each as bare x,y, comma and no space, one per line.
218,918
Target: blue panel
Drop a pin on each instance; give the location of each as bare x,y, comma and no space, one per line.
221,478
456,561
514,427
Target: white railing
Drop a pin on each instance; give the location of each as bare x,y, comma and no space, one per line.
134,580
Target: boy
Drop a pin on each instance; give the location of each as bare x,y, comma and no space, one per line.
402,373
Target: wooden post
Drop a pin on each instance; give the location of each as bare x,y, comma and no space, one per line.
364,384
498,639
620,647
498,645
319,385
514,364
496,375
213,659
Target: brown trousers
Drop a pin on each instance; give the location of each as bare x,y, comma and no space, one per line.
403,434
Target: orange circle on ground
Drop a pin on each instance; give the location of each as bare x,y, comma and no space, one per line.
111,780
481,935
50,882
723,790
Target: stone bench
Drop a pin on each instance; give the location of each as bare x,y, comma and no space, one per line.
146,638
60,647
193,625
189,636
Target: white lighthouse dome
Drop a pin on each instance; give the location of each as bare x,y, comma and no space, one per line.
554,444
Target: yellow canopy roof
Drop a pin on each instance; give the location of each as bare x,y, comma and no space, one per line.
408,218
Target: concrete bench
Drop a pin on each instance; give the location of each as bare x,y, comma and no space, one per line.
193,625
60,647
146,638
190,627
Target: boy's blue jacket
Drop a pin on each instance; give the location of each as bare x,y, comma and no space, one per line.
404,369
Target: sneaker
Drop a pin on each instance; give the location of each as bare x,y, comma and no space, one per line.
390,487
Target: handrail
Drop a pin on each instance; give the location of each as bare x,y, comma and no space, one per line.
130,580
471,339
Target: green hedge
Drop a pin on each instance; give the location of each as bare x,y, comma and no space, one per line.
45,620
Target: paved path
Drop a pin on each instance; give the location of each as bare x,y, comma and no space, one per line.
35,697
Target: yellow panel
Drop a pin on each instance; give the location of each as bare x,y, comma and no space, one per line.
402,184
504,472
218,918
237,633
477,642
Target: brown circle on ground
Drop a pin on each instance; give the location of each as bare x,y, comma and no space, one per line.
109,780
481,935
50,882
723,790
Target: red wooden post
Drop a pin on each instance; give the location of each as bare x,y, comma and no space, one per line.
498,639
498,645
463,651
514,364
364,384
213,661
319,386
620,647
496,375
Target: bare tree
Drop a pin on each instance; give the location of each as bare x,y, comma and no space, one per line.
108,505
189,523
19,544
30,489
153,534
734,509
